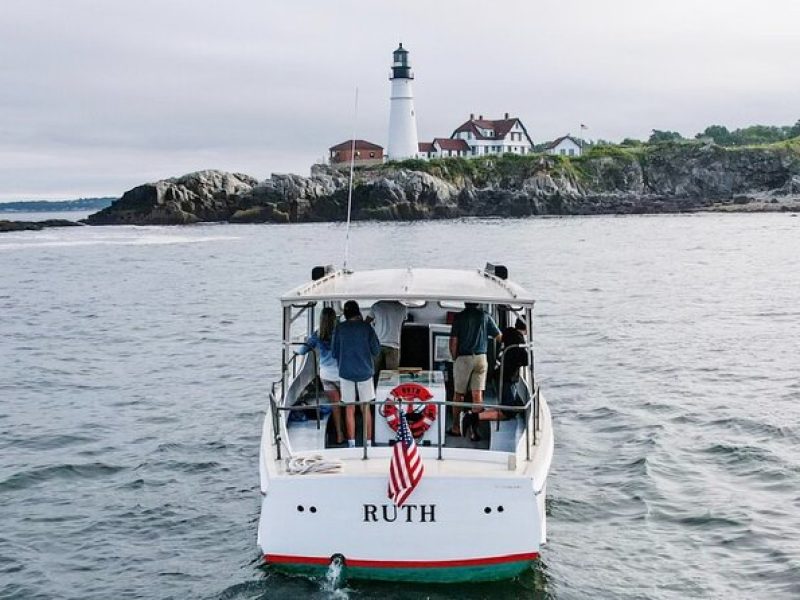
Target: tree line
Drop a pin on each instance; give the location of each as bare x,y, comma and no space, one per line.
719,134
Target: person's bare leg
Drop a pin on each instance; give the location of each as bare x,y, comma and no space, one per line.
350,421
477,401
455,429
475,414
335,398
491,414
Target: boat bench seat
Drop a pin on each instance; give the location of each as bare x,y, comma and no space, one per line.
504,438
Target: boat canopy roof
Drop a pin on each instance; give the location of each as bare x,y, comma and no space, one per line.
411,285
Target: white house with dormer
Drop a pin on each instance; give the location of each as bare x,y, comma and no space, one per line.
481,137
498,136
565,146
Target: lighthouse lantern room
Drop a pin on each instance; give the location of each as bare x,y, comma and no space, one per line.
403,141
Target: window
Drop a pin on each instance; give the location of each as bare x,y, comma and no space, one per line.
358,153
562,151
372,155
572,151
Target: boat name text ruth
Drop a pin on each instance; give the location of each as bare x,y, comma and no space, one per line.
420,513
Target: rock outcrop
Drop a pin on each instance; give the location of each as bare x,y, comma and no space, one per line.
200,196
6,226
651,179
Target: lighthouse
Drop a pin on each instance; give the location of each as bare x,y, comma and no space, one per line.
402,120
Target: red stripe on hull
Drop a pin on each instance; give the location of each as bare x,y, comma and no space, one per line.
403,564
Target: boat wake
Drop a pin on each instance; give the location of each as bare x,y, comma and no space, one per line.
334,579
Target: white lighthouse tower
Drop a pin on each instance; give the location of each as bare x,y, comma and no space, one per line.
403,141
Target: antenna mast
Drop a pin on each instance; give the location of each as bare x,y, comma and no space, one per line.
350,189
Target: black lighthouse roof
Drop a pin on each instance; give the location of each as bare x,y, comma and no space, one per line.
401,69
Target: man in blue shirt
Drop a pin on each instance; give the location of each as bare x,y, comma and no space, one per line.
355,346
469,337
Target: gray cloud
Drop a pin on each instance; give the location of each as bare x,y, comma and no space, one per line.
98,96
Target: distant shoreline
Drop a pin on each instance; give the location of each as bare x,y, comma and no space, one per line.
11,225
45,206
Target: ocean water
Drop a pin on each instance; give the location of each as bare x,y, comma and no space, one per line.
135,362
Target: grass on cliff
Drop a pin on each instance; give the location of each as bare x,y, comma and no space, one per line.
482,169
792,144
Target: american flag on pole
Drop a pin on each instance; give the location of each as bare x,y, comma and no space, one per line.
405,468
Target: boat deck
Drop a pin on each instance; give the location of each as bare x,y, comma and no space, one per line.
455,463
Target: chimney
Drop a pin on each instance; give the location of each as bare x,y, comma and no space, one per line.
471,116
506,117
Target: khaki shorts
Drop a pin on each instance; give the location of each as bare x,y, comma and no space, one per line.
470,368
366,390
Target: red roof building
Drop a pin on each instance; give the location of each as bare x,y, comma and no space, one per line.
451,147
426,149
366,153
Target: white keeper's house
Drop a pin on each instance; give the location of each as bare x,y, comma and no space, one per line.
481,137
565,146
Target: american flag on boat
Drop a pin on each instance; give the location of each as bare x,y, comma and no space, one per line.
405,468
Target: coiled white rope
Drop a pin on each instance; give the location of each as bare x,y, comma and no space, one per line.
302,465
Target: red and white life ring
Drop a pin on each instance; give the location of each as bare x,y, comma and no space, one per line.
414,398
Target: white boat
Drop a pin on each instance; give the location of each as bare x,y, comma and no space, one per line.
478,514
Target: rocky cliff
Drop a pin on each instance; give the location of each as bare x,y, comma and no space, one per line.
610,180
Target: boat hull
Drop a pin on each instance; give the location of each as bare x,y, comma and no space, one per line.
455,529
495,568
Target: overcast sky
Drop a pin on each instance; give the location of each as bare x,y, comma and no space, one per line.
97,96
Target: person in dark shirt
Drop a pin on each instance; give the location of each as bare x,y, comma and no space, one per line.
355,346
469,337
514,358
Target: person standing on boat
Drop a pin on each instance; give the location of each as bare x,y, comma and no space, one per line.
515,356
328,367
469,336
355,346
387,316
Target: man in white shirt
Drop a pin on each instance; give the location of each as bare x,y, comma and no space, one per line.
387,317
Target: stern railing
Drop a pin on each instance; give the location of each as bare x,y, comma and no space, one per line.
530,409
